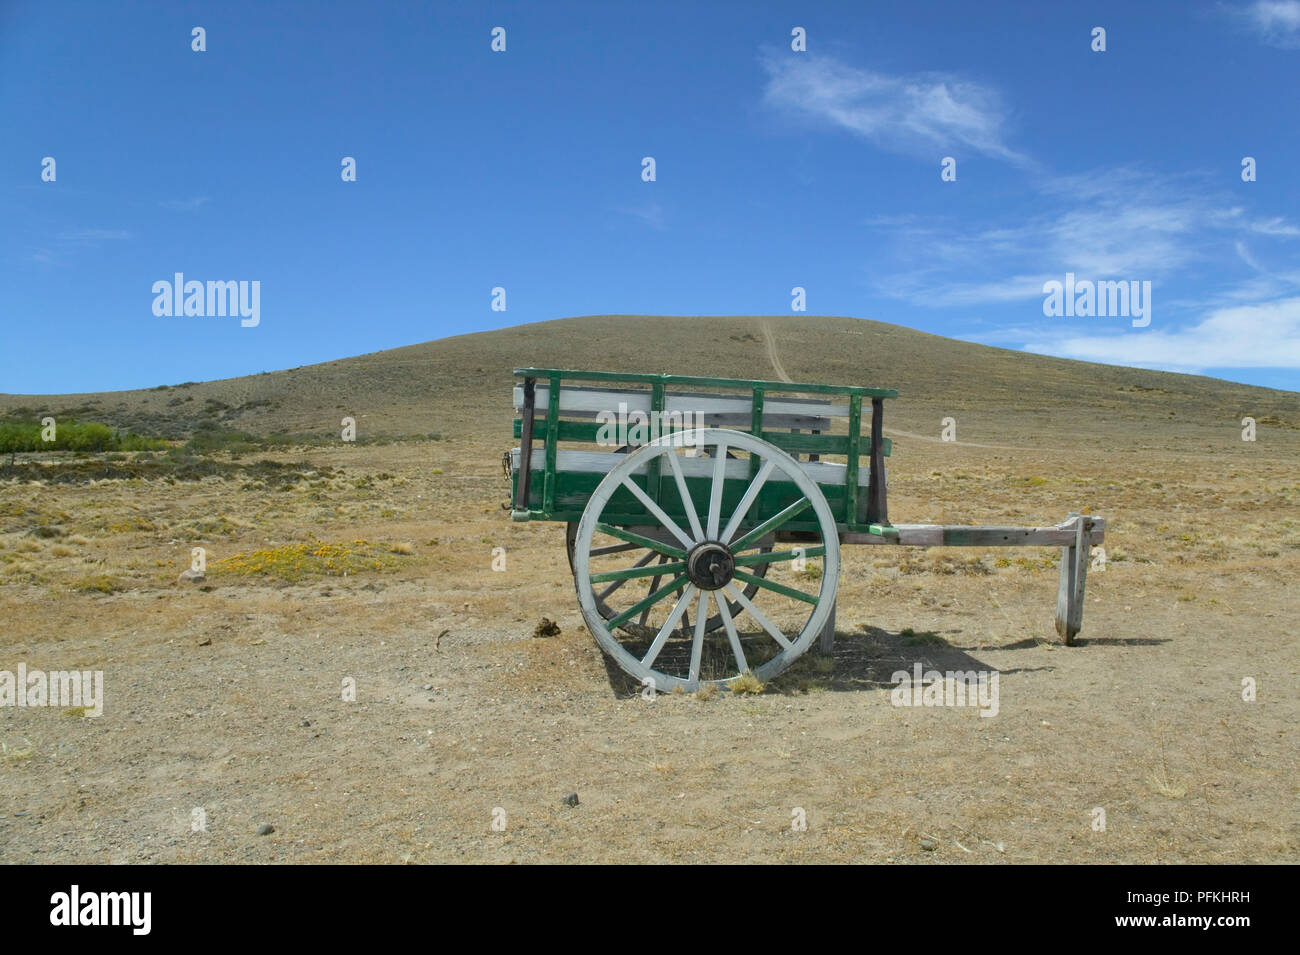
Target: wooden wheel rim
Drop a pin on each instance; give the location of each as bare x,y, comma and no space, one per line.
689,597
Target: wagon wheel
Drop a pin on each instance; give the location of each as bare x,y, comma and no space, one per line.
705,560
644,556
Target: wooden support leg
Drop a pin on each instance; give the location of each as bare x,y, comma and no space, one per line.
826,640
1074,574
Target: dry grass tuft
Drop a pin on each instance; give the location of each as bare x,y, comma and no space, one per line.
1161,785
746,683
99,583
294,562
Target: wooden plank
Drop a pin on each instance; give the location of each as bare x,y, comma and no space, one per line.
739,420
963,535
593,401
745,383
792,443
554,394
851,478
654,477
526,445
877,509
677,393
600,462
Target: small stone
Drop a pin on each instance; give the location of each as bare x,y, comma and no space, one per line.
206,643
305,723
265,829
929,845
428,686
571,799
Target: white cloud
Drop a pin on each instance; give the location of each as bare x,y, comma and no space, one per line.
1261,335
61,248
184,205
1243,253
651,213
1276,22
93,236
1275,226
1015,288
924,112
1108,224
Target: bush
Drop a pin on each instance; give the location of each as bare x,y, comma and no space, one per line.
71,436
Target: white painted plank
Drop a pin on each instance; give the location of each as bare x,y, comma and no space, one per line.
601,462
573,399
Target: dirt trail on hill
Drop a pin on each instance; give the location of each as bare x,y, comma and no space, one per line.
781,374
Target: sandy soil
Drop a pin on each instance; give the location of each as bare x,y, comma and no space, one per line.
226,695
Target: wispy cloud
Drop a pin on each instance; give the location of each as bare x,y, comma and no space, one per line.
1243,253
93,236
1108,224
1276,22
651,213
1262,335
184,205
59,248
1275,226
916,113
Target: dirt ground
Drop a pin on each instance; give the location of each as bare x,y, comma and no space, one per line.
226,696
467,731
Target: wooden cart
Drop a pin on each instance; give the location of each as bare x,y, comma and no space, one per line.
705,516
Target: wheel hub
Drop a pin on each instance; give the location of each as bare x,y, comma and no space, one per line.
710,565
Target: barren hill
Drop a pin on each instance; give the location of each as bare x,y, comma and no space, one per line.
461,384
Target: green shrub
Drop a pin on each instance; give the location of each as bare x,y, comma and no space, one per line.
71,436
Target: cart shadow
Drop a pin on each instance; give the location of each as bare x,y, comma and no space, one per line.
1120,641
863,660
623,685
870,659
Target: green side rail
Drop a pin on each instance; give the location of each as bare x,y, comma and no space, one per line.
852,445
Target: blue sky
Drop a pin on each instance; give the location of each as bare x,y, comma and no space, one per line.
523,169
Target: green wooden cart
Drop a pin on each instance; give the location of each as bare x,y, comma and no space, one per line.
705,516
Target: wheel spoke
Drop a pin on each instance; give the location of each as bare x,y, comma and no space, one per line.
658,512
640,541
619,582
776,588
732,636
654,585
612,549
640,570
715,492
758,615
746,502
772,523
697,644
666,630
685,495
650,601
